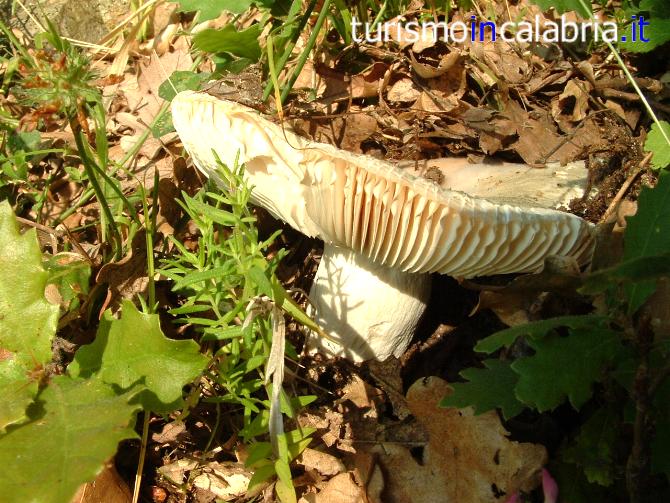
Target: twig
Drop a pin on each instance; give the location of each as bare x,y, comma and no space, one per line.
624,188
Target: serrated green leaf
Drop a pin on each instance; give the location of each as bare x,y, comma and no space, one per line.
242,43
657,143
561,6
27,320
74,431
593,448
648,234
17,390
133,348
487,389
564,367
211,9
535,330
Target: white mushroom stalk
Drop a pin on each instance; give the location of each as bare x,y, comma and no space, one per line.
382,226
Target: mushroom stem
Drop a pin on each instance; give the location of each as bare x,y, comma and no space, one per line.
370,311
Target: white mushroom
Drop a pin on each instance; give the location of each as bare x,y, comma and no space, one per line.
383,227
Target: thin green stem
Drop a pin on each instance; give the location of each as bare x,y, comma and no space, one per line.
289,47
308,49
90,172
143,453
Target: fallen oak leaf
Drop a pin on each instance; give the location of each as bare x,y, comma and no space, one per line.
468,458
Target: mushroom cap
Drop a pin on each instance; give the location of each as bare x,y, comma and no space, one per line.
373,207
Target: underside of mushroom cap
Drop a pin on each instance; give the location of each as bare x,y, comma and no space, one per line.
371,206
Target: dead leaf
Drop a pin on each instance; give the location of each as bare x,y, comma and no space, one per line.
538,141
429,72
572,105
322,462
127,277
108,486
468,458
501,60
366,84
226,481
403,90
339,489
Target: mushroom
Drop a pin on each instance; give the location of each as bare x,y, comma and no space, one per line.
384,228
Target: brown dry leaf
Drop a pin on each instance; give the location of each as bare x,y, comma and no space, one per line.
388,376
544,78
322,462
361,394
333,429
366,84
539,142
403,90
468,458
502,61
348,132
429,72
169,433
226,481
142,95
490,143
108,486
572,105
339,489
401,36
127,277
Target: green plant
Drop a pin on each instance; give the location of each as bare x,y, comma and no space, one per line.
225,284
55,82
72,421
613,367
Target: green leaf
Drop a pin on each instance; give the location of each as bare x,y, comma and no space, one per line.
262,472
71,274
657,32
239,43
75,429
486,389
535,330
657,144
561,6
17,390
25,141
211,9
284,486
27,321
634,270
648,234
564,367
574,488
593,448
181,80
134,348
